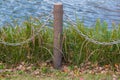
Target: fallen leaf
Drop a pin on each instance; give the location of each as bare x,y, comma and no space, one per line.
81,78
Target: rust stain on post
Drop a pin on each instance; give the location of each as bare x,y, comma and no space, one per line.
58,25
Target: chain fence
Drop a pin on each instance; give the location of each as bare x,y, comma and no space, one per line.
74,26
29,39
87,38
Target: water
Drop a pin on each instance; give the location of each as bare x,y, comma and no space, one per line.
89,10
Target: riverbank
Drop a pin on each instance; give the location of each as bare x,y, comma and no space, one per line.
30,43
28,49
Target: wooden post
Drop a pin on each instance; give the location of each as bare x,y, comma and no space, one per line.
58,24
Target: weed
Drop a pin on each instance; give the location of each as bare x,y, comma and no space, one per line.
76,49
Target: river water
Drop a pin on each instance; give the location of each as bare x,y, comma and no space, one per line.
89,10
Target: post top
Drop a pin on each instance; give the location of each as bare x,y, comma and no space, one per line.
58,3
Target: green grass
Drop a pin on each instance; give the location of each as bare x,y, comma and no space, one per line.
25,76
32,51
76,49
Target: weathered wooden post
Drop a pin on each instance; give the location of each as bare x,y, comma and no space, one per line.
58,25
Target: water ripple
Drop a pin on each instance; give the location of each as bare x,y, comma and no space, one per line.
90,10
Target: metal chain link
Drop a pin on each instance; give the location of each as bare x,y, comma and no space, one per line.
89,39
29,39
75,27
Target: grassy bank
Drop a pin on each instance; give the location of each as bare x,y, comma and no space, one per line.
76,49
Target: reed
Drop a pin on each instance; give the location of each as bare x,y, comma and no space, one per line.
76,49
